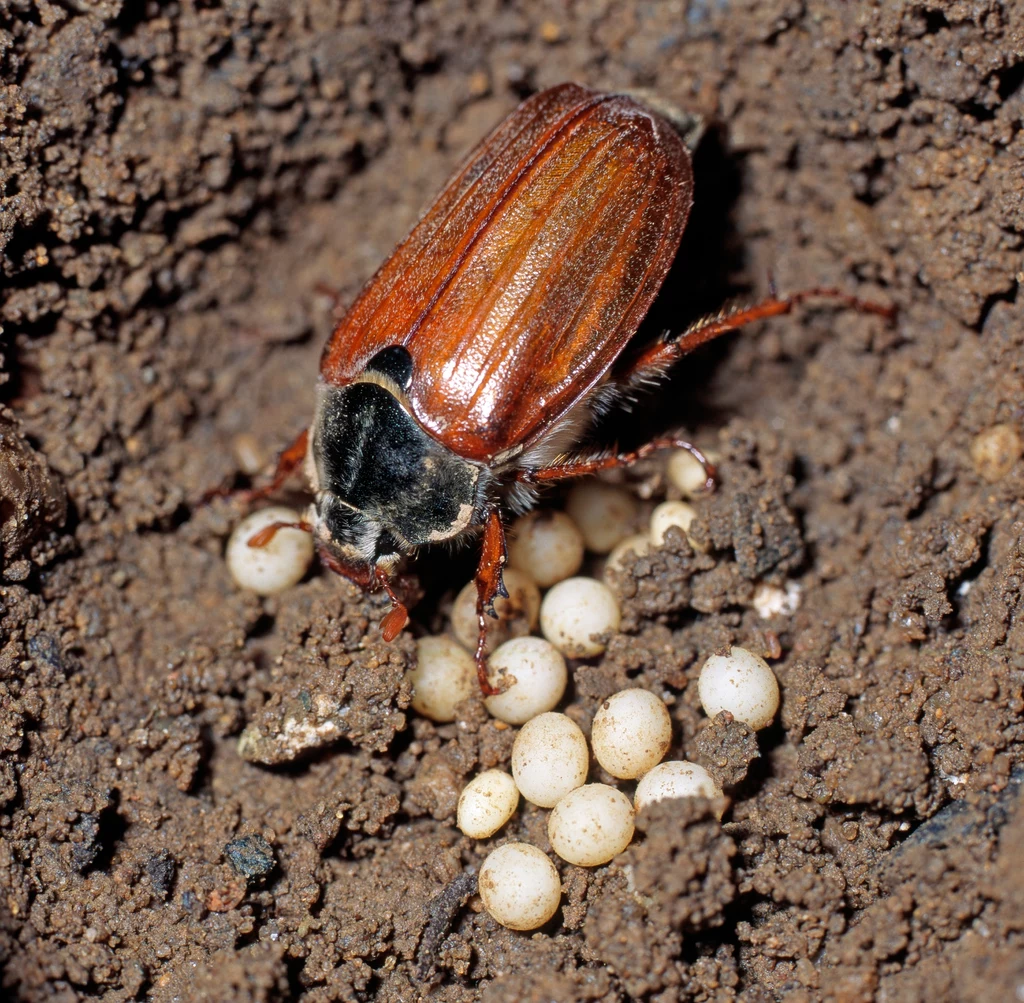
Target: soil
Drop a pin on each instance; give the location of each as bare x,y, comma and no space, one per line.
179,183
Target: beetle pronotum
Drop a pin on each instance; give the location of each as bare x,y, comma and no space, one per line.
470,365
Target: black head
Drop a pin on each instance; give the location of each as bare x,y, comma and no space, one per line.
383,486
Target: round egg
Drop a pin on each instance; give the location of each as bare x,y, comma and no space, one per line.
604,514
487,802
517,615
637,545
631,733
675,779
548,546
576,613
669,514
687,473
444,675
741,683
519,886
538,676
549,758
276,566
591,825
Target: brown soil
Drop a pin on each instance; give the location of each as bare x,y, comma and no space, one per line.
177,181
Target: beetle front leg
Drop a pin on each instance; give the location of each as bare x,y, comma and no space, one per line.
489,586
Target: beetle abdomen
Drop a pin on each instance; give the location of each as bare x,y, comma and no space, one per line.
525,280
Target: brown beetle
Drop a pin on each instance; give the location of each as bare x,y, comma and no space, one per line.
471,364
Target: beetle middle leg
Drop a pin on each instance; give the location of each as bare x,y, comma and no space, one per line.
584,466
489,586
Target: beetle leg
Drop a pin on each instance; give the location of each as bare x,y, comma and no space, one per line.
489,586
657,357
591,465
287,463
265,535
396,617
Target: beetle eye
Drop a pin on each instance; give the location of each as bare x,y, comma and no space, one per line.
395,363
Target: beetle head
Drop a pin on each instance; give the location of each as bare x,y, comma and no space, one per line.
383,486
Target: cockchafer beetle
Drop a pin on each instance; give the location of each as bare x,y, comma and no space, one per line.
471,364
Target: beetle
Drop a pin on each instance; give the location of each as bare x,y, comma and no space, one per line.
469,367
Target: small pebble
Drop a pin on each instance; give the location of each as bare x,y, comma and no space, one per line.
741,683
548,546
576,613
639,544
250,856
604,514
248,454
279,565
444,675
517,615
675,779
631,733
549,758
519,886
995,451
591,825
770,600
538,669
669,514
487,802
687,473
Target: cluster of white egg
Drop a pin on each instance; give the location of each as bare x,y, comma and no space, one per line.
590,824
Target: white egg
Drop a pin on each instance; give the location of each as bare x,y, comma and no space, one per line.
519,886
548,546
576,613
741,683
631,733
639,545
675,779
591,825
444,675
517,615
276,566
669,514
604,514
487,802
539,674
687,473
549,758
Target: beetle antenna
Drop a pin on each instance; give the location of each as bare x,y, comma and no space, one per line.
265,535
396,617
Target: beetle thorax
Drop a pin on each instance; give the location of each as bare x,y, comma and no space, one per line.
383,486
